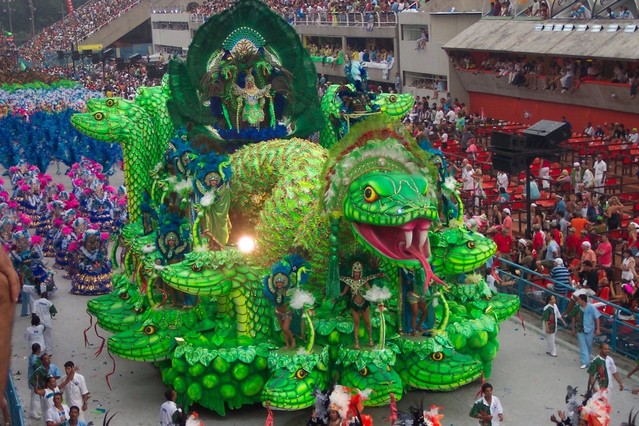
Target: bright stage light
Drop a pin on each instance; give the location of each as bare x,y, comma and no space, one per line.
246,244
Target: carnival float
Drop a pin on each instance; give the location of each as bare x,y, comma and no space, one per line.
261,267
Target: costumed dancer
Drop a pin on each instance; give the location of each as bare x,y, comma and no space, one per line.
93,265
100,207
416,303
278,288
51,225
27,259
356,286
173,242
31,201
17,174
120,216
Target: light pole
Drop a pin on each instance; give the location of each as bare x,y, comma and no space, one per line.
32,9
7,4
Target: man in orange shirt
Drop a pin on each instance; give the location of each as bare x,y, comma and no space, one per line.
579,223
507,222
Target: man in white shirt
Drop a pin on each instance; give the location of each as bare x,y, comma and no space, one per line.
502,180
634,136
75,389
44,309
602,370
467,178
600,167
589,130
488,408
168,408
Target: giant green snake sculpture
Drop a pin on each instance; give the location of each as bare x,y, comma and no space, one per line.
374,189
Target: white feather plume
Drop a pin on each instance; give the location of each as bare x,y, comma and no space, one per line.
208,198
148,248
183,186
450,183
201,248
341,398
159,267
377,294
301,299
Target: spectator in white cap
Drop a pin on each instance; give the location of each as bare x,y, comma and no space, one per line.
561,275
588,253
507,222
576,176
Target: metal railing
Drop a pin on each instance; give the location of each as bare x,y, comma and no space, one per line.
15,407
351,19
622,336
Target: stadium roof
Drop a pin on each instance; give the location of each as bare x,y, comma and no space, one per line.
602,39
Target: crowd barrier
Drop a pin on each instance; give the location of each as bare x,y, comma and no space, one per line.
15,408
619,329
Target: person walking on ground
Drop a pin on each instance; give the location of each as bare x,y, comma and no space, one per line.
602,370
635,391
46,310
550,316
35,333
586,324
170,413
75,388
487,409
34,362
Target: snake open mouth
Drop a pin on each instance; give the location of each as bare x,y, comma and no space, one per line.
407,242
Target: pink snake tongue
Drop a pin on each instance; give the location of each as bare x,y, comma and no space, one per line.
423,259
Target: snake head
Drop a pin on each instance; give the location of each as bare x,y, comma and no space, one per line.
458,250
391,214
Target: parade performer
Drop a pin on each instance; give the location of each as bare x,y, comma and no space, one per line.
51,225
356,285
100,207
93,266
277,288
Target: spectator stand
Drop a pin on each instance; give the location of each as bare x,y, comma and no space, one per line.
619,328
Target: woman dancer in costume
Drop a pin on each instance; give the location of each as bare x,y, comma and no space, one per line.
93,266
100,207
357,284
278,288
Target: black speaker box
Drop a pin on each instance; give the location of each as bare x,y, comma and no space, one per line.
507,141
546,134
60,54
75,55
134,58
95,58
511,163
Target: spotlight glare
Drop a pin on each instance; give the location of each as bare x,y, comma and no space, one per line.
246,244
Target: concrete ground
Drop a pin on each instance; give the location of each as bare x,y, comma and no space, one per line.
530,384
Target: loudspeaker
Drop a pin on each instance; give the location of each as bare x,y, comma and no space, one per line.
119,64
507,141
134,58
75,55
60,54
510,162
95,58
546,134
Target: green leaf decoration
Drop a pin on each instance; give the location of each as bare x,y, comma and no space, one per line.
180,350
360,359
208,356
246,354
325,327
345,327
228,355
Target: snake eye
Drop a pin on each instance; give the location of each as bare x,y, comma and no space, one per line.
301,374
98,116
125,295
392,99
388,368
364,371
110,102
149,330
370,195
470,244
437,356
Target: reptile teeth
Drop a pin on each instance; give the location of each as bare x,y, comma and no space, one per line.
409,238
423,236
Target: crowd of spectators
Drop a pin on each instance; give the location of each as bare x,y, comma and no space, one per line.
74,28
541,9
554,74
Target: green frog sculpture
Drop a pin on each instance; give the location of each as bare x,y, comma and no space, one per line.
374,192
